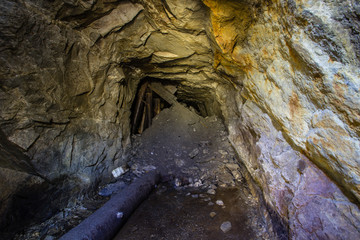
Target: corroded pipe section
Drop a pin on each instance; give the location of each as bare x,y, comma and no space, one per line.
106,221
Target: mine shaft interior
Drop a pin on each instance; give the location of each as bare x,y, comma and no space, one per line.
179,119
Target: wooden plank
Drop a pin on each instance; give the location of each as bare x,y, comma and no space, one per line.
139,106
171,88
142,123
163,93
149,107
157,106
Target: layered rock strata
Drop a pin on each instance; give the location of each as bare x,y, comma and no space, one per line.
283,75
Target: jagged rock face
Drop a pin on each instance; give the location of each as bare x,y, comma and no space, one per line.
299,65
283,75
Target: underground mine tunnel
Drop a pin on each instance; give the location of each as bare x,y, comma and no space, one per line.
186,119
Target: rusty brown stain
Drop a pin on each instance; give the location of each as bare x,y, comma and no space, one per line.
265,53
294,104
340,88
272,69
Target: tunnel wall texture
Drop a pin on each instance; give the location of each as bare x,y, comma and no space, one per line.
285,73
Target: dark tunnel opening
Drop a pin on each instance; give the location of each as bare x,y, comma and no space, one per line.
154,94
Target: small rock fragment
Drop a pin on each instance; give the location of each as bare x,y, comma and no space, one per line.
225,226
195,195
212,214
222,152
194,153
111,188
212,186
148,168
179,162
220,202
204,143
177,182
211,191
198,183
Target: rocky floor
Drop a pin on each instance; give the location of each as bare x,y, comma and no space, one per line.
194,213
203,195
61,222
188,147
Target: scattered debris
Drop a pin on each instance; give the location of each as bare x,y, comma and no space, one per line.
225,226
220,202
177,182
211,191
194,153
117,172
112,188
212,214
212,186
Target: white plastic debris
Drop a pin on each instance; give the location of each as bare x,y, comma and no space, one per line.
117,172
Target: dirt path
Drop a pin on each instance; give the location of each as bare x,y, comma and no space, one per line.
183,145
196,159
185,214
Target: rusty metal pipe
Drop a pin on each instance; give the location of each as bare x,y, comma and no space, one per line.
105,222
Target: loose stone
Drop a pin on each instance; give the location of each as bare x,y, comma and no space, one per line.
211,191
194,153
225,226
220,202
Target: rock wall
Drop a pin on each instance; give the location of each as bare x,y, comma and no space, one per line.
296,63
300,64
69,117
283,75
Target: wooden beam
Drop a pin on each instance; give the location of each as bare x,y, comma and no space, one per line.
142,123
160,90
157,106
149,107
139,106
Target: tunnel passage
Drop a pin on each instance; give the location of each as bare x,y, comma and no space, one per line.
285,75
153,95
